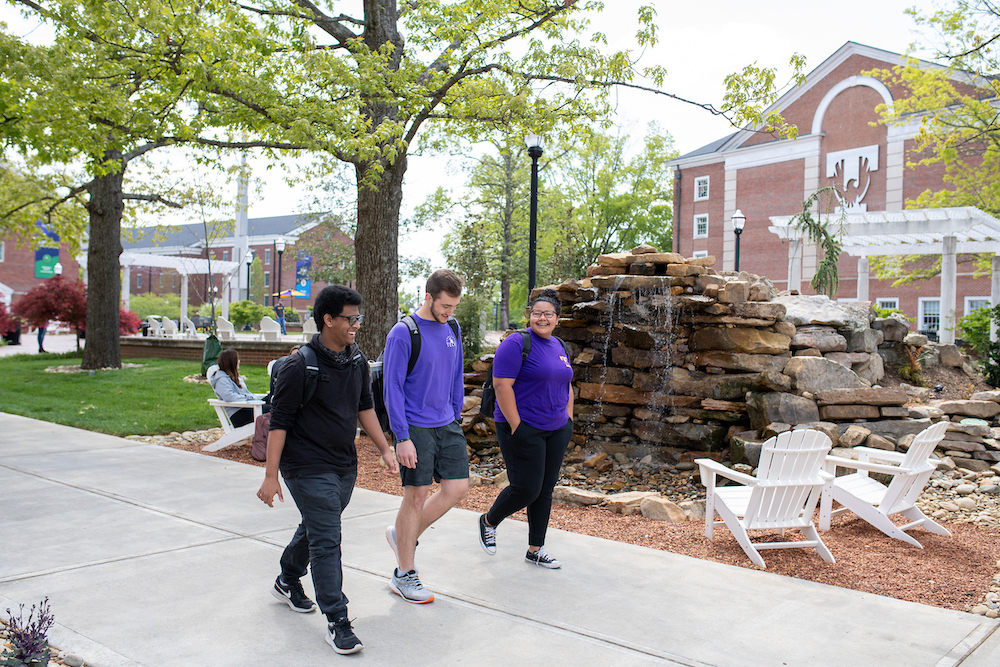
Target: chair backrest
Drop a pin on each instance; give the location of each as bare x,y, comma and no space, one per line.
905,488
267,323
187,324
309,326
222,324
789,479
169,326
154,324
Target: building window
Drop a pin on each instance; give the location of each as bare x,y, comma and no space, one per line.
225,255
889,303
138,281
267,280
929,317
973,303
701,226
701,188
700,253
267,257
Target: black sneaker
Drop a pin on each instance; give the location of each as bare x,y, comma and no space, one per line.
293,595
340,635
487,536
542,559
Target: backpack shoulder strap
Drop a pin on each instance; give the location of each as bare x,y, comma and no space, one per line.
411,326
564,347
311,378
525,344
453,323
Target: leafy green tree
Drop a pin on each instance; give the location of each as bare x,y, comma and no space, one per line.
246,312
258,294
959,126
359,90
118,81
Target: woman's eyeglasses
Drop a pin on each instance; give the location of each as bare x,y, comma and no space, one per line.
547,314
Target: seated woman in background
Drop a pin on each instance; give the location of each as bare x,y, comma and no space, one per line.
228,387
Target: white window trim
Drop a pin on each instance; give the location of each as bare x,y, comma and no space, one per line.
267,256
920,311
696,234
968,299
880,302
697,180
2,248
267,279
700,253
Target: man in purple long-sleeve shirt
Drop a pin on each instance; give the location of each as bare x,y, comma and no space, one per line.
425,410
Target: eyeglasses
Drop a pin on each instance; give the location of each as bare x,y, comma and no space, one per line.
353,319
547,314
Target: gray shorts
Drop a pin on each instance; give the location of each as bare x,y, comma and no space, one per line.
441,454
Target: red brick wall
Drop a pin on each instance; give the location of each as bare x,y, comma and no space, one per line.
253,353
773,189
17,270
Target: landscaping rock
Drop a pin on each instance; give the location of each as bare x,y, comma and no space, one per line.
661,509
814,374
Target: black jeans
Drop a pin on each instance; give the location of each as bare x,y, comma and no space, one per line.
241,417
534,459
321,499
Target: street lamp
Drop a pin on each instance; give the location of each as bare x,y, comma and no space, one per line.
249,260
279,245
534,143
57,269
739,220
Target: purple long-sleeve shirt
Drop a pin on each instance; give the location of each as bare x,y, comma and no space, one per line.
433,393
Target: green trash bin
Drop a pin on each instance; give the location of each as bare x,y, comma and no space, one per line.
210,353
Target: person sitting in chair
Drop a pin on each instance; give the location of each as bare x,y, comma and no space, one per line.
229,387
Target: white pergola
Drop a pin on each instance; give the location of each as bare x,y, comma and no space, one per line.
948,232
185,266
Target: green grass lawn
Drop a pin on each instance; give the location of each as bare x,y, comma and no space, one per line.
151,399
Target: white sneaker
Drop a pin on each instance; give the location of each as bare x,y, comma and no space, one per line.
390,537
542,559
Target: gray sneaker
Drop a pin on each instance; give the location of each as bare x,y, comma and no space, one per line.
407,586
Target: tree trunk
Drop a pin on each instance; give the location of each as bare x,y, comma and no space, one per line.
103,349
507,248
376,253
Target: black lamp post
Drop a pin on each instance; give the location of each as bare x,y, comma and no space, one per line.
534,143
739,220
280,247
249,259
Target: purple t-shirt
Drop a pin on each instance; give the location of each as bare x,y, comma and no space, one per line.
432,395
541,387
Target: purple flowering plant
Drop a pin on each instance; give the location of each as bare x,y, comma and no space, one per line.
28,641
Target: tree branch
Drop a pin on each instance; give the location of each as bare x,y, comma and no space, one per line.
153,198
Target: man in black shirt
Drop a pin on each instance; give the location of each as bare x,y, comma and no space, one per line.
312,444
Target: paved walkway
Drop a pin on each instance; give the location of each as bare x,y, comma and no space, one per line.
54,342
158,557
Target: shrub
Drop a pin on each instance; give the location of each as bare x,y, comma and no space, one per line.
470,314
128,322
242,313
975,329
167,305
886,312
6,321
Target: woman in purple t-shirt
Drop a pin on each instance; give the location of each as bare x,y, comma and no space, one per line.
534,418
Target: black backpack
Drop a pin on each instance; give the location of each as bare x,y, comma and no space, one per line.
311,378
489,398
378,382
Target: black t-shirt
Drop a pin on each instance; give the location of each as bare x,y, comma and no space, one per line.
279,310
320,437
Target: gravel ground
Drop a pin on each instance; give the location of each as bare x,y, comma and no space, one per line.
950,572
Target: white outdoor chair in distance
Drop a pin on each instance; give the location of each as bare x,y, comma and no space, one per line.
269,329
225,329
230,434
875,502
309,328
783,495
169,327
188,327
155,330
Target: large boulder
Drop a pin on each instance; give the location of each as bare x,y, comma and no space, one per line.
815,374
872,370
752,341
980,409
894,328
822,338
702,437
767,407
951,356
803,309
864,341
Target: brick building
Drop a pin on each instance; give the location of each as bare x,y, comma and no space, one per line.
840,143
23,267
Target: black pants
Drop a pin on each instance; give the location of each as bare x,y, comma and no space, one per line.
534,459
241,417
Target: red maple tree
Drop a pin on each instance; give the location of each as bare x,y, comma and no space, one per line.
57,299
6,321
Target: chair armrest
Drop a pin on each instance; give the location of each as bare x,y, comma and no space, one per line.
719,469
233,404
865,465
884,454
260,397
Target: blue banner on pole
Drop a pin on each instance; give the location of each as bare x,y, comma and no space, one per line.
303,283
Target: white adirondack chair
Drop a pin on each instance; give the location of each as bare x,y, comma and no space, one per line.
784,494
269,329
309,328
188,328
169,327
225,329
875,502
231,435
155,329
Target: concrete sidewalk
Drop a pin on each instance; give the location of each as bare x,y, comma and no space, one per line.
158,557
